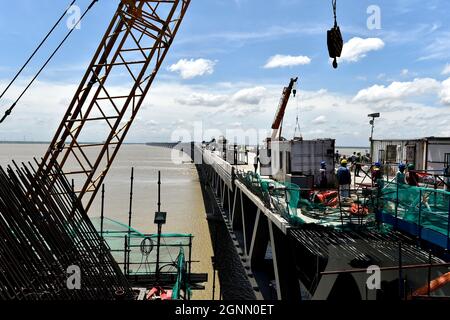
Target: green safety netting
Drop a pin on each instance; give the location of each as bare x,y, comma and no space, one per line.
143,254
426,207
284,196
256,184
181,276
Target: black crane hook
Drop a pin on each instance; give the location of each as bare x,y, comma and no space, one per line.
335,41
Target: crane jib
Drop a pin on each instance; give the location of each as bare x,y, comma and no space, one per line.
276,125
133,47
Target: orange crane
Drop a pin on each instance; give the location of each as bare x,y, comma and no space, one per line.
279,116
135,44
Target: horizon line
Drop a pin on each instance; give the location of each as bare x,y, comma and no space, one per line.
168,142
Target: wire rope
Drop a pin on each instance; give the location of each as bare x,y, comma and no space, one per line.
36,50
9,111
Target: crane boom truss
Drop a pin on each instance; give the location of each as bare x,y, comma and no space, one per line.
132,50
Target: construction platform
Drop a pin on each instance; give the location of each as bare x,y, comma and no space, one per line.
306,249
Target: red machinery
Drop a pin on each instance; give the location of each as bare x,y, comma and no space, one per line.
278,121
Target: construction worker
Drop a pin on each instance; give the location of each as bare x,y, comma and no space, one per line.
377,174
367,157
337,156
358,161
411,177
447,178
323,182
353,158
378,182
256,160
400,177
344,179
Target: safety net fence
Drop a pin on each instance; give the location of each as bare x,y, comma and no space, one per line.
283,197
297,206
423,209
137,253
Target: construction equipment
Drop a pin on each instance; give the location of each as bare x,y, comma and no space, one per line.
46,236
45,232
135,44
265,157
279,116
335,41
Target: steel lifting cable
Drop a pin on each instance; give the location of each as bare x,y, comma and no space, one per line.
333,2
37,49
8,112
297,124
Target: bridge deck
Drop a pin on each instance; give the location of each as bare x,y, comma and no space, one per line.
422,220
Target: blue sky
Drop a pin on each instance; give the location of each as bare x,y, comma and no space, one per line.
215,70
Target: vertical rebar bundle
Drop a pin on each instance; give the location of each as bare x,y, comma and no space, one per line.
44,232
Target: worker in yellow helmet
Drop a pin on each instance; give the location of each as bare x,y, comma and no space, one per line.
344,179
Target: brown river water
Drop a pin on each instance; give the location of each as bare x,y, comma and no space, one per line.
181,196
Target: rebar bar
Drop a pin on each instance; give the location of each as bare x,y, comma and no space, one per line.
44,230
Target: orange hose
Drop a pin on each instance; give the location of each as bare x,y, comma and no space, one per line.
434,285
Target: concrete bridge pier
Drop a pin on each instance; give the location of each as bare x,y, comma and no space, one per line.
258,237
287,283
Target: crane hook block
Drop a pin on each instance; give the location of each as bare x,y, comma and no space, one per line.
335,44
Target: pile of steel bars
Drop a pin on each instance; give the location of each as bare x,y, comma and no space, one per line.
357,245
44,232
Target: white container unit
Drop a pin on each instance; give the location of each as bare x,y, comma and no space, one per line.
429,153
301,158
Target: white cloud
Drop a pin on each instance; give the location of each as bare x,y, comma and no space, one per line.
152,123
319,120
446,70
203,99
445,92
439,48
282,61
251,96
357,48
346,119
247,96
189,69
398,90
178,123
242,111
405,72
